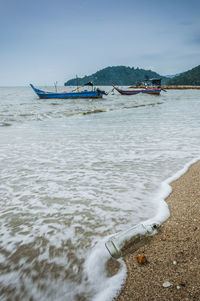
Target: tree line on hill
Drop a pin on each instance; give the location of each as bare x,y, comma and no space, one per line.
191,78
125,76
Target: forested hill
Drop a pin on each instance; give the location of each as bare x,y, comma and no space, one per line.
118,75
191,77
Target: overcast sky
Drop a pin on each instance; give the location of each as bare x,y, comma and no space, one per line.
43,41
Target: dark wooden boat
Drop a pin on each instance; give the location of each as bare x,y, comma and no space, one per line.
96,93
155,89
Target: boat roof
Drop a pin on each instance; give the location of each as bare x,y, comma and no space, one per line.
156,81
89,84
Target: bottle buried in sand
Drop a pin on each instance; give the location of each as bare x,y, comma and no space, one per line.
130,240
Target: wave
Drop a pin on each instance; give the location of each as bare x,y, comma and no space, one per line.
144,105
5,124
95,265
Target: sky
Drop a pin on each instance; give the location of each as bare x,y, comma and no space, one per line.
44,41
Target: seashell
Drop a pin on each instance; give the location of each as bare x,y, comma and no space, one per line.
141,259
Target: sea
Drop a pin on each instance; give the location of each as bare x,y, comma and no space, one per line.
75,172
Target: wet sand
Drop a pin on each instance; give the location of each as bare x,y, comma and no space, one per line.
173,268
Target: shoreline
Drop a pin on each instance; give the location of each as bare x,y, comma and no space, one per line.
174,87
173,254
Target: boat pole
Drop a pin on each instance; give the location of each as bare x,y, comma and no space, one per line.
55,84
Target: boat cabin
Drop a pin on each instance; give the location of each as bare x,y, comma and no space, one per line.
156,82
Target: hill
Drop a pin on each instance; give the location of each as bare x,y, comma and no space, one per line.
172,75
190,77
119,75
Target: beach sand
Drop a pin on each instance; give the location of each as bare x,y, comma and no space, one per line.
174,253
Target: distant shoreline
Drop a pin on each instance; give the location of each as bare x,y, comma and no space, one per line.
180,87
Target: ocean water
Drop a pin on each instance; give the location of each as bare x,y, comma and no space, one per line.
74,172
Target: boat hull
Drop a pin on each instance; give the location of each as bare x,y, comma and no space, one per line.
152,91
67,95
70,96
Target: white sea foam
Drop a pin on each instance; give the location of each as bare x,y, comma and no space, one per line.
165,189
104,287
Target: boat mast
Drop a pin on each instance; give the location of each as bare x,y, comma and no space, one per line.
77,81
55,84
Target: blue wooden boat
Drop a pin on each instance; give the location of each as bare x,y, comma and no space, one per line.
96,93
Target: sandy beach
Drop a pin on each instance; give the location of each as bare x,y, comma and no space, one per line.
173,268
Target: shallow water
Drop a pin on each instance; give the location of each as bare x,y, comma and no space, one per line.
75,171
